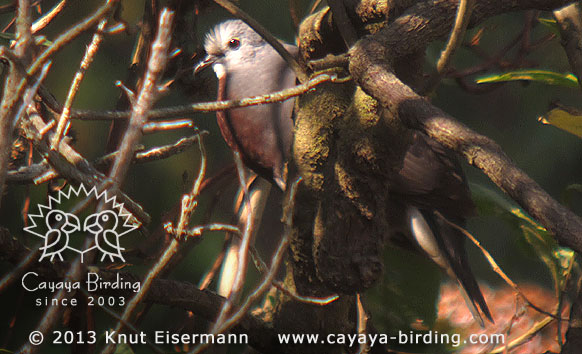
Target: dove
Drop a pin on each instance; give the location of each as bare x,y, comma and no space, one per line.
247,66
428,189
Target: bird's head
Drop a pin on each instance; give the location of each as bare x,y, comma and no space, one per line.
96,223
228,44
67,222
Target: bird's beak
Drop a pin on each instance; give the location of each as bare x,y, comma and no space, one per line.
91,224
72,224
209,60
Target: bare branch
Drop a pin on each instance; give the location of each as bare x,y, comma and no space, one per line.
345,26
153,154
172,112
48,17
164,292
71,165
243,250
146,98
74,87
24,41
70,35
454,42
11,104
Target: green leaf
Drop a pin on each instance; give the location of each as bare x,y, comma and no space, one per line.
557,259
565,118
543,76
550,24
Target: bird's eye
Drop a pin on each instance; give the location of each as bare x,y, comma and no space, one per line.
105,217
59,217
234,43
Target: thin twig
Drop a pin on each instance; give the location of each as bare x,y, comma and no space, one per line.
457,34
189,203
532,330
154,154
243,249
343,23
311,300
74,87
455,39
199,230
71,34
71,165
171,112
128,325
11,103
266,283
26,174
24,41
205,282
496,268
146,98
48,17
294,7
257,260
154,127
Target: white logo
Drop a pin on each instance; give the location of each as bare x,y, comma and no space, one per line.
58,227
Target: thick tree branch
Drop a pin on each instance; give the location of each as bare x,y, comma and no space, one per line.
370,67
570,21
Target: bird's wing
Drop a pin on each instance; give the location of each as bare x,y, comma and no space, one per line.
112,239
261,134
52,233
431,177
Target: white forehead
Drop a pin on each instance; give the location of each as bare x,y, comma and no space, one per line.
216,40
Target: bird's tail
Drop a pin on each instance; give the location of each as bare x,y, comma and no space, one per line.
444,244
